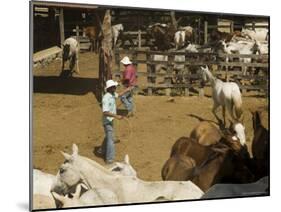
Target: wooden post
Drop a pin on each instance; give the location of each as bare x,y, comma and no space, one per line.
186,89
205,32
149,72
168,80
253,26
117,63
61,21
231,26
77,33
105,64
199,31
139,38
201,91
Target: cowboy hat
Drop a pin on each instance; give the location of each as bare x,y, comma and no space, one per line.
110,83
126,61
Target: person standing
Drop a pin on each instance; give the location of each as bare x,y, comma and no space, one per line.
109,114
129,81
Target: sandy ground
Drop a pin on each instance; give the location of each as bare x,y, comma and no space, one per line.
65,111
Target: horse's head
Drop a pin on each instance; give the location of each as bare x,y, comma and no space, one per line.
204,71
66,50
124,168
238,130
68,175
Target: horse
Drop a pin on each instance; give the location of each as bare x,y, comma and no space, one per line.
93,33
225,94
208,165
78,169
260,144
116,31
71,52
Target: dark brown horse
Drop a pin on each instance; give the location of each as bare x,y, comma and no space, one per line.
260,145
207,165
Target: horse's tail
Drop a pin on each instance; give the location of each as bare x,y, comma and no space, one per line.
237,103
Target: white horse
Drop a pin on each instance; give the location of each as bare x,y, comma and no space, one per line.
116,30
71,50
225,94
129,189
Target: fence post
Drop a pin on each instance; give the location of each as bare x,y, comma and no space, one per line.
149,73
231,26
117,63
187,82
205,32
139,38
168,79
61,21
77,33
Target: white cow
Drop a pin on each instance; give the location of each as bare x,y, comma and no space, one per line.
129,189
259,34
96,196
71,50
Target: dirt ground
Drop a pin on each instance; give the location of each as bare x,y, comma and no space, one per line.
65,111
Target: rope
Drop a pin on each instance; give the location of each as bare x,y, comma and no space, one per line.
118,130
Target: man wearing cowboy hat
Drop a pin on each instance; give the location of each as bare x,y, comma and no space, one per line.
129,80
109,113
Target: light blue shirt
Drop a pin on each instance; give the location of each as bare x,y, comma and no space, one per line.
109,105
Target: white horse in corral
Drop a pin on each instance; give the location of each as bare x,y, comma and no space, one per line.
225,94
71,50
116,31
129,189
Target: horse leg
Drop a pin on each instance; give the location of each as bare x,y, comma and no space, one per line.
77,66
62,65
214,110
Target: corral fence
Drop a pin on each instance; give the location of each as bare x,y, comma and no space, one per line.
249,76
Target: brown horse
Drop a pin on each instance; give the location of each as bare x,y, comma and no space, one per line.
260,145
206,133
93,33
207,165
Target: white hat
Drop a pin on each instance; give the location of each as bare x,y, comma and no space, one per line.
110,83
126,61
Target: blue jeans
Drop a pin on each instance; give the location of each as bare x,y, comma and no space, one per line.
127,100
108,142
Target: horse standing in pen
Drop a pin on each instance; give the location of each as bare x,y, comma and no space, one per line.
225,94
71,50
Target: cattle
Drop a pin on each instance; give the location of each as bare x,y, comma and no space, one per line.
260,144
224,162
71,49
93,33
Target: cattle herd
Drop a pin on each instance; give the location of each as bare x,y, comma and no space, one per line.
211,163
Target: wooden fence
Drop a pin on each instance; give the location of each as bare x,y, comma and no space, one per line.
243,73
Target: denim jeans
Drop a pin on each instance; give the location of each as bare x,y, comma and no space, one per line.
127,100
108,142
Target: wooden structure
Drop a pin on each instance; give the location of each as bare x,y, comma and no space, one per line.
194,60
44,57
105,54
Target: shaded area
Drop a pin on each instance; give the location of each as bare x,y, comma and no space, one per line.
66,85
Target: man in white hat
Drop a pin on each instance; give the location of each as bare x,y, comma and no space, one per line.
109,113
129,81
